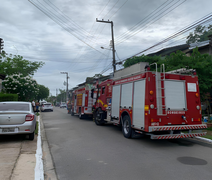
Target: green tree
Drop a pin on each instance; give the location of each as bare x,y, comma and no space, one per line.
16,64
25,87
200,34
43,92
143,58
61,97
201,62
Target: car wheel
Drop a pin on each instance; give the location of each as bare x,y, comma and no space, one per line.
126,127
31,136
99,120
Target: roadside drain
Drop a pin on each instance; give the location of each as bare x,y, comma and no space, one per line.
191,161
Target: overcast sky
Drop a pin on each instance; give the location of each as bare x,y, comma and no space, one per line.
65,35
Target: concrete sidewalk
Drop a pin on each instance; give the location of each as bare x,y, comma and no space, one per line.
17,158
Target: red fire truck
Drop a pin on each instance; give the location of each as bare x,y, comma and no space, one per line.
164,105
81,101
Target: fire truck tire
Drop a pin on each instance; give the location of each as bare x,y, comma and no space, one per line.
80,115
126,127
72,113
99,120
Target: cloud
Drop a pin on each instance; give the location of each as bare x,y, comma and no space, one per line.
29,32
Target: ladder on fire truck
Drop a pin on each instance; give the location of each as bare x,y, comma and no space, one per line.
160,90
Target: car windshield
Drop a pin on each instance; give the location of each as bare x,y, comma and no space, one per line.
14,107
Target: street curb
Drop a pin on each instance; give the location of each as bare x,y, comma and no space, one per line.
39,173
49,169
205,139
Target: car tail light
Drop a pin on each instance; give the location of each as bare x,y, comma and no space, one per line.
29,117
43,105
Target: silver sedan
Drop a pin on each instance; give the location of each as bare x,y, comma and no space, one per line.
17,118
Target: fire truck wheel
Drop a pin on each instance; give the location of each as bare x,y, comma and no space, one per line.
72,113
126,127
80,115
98,118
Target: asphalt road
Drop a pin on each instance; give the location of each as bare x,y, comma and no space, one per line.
83,151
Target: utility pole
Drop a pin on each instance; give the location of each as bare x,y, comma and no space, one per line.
210,44
66,84
1,45
113,45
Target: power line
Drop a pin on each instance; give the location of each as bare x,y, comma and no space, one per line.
62,25
137,29
205,20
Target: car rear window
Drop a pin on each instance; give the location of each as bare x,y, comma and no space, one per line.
14,107
47,104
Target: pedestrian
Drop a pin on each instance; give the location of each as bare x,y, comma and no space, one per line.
37,106
33,105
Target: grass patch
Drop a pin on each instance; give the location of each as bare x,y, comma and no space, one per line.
37,114
207,136
209,129
36,130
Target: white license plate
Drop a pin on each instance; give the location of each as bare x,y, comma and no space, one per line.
8,130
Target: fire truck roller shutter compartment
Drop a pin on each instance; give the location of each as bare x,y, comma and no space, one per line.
175,95
139,103
75,103
126,95
115,101
83,99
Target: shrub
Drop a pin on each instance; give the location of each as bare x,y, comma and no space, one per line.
8,97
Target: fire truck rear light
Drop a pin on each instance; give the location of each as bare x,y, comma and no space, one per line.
197,95
151,99
86,109
151,92
152,106
198,107
155,120
196,120
144,75
182,77
194,72
167,76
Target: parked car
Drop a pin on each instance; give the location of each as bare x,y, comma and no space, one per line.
57,104
47,107
63,105
17,118
42,102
